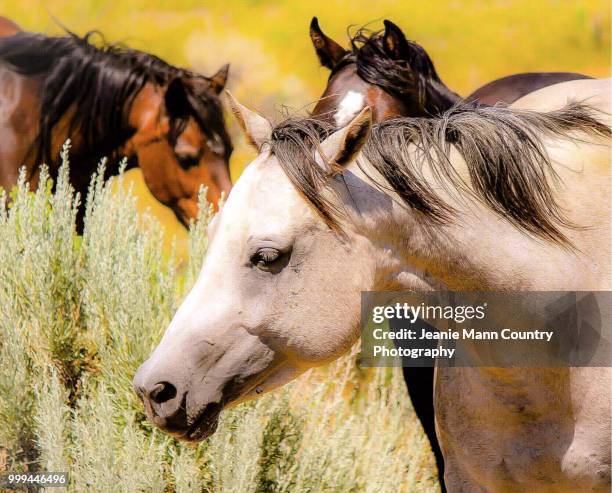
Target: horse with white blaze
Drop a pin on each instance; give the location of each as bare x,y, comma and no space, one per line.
477,199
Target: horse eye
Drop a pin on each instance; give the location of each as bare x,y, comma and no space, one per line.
187,161
265,257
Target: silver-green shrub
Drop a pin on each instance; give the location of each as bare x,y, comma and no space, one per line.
79,314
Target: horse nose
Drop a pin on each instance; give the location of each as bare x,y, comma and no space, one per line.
164,403
162,392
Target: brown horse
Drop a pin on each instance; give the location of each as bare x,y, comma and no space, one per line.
110,101
395,77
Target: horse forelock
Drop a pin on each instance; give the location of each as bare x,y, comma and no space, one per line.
294,142
208,113
509,168
92,79
406,79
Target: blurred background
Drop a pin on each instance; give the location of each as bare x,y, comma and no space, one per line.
273,65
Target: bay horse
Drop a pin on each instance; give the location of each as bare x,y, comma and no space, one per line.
478,198
110,101
395,77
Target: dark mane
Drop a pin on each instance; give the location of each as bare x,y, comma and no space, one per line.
509,168
97,83
405,79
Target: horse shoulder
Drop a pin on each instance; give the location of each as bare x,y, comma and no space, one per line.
19,111
587,459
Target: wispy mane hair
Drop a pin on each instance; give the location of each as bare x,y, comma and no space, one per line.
95,84
509,168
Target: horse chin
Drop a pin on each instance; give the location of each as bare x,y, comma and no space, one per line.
205,425
207,421
185,211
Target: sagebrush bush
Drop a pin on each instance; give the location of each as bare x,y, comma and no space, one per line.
79,314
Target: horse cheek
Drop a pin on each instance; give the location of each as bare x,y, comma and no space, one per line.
159,170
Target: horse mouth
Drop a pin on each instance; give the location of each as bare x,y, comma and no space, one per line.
205,424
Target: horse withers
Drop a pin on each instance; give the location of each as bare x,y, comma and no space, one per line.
328,217
111,101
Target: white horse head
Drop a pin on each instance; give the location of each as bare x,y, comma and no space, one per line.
278,293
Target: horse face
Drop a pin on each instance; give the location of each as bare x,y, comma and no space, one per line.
259,313
175,162
202,160
347,92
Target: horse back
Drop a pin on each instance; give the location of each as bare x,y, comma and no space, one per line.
509,89
593,92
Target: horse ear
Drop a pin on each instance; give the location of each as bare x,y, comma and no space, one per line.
343,146
177,103
394,41
328,51
218,81
256,128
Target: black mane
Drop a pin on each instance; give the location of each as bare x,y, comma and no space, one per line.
405,79
98,84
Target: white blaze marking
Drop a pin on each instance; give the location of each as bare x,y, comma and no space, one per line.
349,107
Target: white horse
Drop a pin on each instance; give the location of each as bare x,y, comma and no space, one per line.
479,199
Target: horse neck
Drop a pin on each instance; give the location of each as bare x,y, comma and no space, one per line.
21,145
438,97
83,160
103,133
478,251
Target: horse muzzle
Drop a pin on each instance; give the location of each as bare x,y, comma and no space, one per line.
185,387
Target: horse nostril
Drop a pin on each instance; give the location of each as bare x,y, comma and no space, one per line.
162,392
140,391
